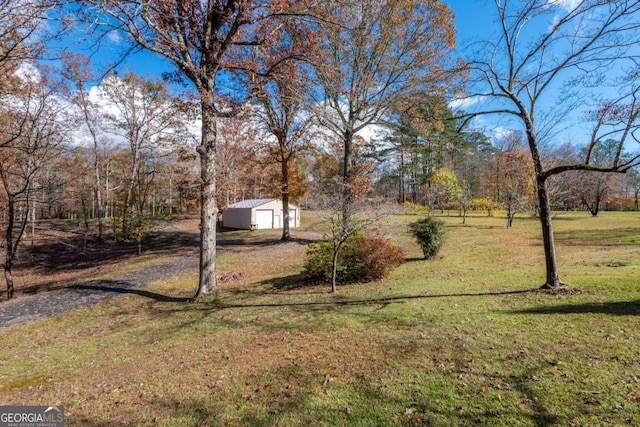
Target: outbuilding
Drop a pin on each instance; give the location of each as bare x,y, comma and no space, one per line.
255,214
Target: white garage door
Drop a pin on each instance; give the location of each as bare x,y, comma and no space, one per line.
292,217
264,218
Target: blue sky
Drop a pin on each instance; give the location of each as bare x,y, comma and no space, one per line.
473,21
472,18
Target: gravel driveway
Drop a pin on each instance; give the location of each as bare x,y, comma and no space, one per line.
54,302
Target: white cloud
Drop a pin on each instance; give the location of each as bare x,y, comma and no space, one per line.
99,98
370,132
495,130
463,103
114,37
28,72
568,5
554,24
499,132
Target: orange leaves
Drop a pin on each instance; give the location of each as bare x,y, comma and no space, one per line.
294,184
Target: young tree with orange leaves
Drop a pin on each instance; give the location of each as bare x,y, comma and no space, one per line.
508,176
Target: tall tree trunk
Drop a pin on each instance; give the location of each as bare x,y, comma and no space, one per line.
98,195
33,224
334,269
553,277
9,252
347,184
551,262
134,176
170,192
11,245
402,198
139,240
510,215
96,163
8,277
286,235
208,209
85,218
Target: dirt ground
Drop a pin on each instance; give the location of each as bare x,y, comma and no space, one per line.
56,257
58,273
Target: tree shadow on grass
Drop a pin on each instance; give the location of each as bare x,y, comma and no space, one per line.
607,237
300,401
477,226
341,301
620,308
261,240
122,287
189,411
260,297
295,282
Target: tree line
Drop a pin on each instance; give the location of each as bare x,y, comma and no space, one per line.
336,104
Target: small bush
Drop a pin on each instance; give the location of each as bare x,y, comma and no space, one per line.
363,258
318,261
429,233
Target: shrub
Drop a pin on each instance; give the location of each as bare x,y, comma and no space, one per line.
429,233
363,258
318,261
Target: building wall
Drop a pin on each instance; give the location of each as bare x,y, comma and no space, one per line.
237,218
274,205
245,218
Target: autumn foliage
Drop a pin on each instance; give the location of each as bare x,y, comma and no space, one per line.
364,258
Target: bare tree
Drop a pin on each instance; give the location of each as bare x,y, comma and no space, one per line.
518,72
33,126
78,71
22,36
210,44
147,118
377,56
237,160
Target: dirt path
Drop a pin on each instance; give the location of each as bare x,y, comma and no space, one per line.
75,296
65,283
62,281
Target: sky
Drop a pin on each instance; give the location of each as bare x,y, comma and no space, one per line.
473,21
470,15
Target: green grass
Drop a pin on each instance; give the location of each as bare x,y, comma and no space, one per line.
459,340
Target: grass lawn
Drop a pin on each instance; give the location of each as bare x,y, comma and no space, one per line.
460,340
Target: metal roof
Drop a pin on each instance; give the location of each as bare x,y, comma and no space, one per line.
250,203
